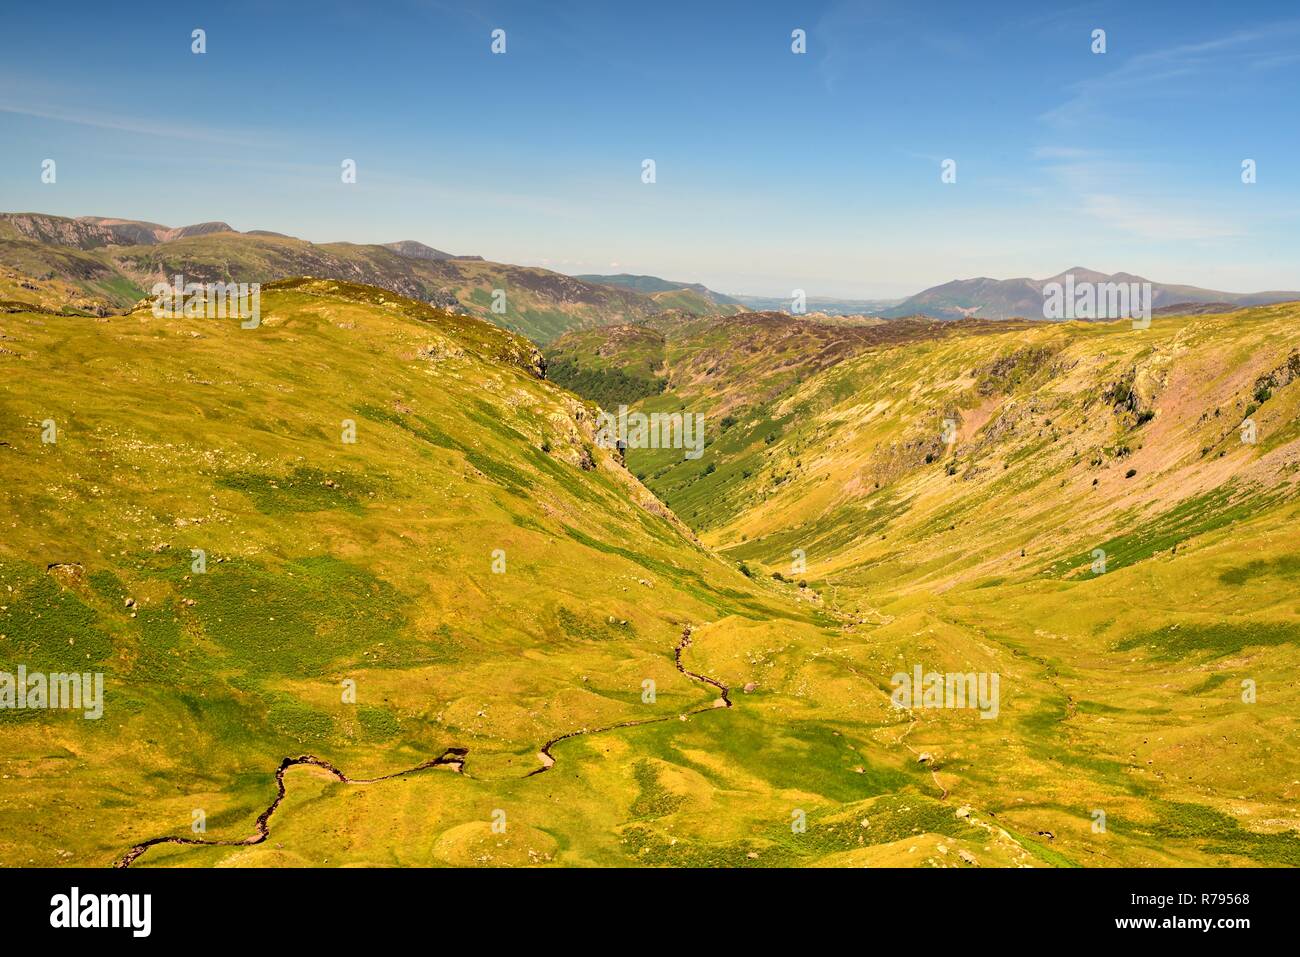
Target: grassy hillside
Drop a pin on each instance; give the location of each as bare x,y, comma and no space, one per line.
371,562
23,293
612,366
695,302
1123,689
695,293
736,371
333,564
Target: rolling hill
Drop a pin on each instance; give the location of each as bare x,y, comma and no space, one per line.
653,284
1023,298
689,297
1084,534
366,589
578,711
371,562
716,363
417,250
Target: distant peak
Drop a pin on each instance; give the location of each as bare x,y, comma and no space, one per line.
413,249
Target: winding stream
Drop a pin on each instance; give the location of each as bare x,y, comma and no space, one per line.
548,759
453,758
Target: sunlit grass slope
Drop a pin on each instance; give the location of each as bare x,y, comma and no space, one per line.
326,560
1097,532
330,562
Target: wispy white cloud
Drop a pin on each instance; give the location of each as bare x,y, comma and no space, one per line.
1154,221
1063,153
1152,74
1124,192
128,124
857,36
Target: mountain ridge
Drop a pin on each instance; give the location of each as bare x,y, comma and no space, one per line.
117,262
1023,297
653,284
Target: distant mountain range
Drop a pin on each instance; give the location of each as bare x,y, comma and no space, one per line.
94,232
653,284
686,297
660,288
114,262
110,263
416,250
1011,298
983,298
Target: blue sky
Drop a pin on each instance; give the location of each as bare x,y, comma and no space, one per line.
775,171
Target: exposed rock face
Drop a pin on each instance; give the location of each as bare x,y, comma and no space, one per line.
70,573
442,299
132,232
440,351
60,231
1282,376
524,354
93,232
